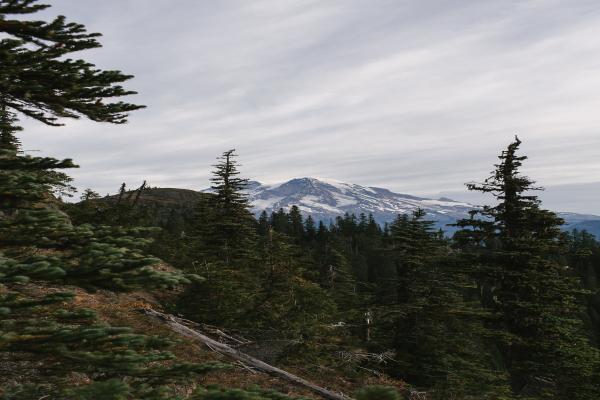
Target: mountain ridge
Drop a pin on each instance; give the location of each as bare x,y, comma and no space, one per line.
326,199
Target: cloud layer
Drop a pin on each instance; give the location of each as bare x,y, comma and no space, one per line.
418,97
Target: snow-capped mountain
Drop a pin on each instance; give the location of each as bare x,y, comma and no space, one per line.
325,199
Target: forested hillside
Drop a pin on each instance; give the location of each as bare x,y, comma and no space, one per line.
171,294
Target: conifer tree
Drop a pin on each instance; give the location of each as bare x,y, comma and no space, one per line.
537,298
197,236
584,258
280,221
43,337
232,230
288,305
263,224
42,344
222,245
40,80
425,311
373,228
296,223
310,229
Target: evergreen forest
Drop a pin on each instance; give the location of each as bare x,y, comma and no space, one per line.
506,308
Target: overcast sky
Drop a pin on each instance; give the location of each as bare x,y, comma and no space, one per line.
415,96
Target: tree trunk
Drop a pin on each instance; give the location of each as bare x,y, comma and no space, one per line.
224,349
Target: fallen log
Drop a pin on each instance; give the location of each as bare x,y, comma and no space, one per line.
176,326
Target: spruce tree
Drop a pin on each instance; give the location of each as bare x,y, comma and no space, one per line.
280,221
45,342
40,80
438,337
263,224
222,246
518,247
296,223
45,339
232,230
310,229
288,304
198,234
584,258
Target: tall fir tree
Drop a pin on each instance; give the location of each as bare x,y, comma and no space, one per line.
44,339
232,234
222,246
584,257
518,247
438,336
296,223
40,80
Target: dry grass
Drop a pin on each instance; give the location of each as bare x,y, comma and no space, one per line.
122,309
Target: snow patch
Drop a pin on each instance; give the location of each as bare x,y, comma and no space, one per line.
446,203
343,201
263,204
314,202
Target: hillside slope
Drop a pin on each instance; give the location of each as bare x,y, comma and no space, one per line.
125,309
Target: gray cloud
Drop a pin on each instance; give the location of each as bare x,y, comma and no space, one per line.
418,97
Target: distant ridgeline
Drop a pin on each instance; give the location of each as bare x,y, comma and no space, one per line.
325,200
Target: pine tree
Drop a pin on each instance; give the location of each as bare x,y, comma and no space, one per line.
198,235
437,336
45,339
106,256
263,224
538,299
584,258
233,234
373,228
296,223
310,229
280,221
221,245
287,305
89,194
40,80
43,343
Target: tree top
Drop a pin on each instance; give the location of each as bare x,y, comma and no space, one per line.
37,79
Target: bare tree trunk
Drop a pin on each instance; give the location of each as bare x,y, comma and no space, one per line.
175,325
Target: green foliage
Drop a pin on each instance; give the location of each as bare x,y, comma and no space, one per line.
423,309
378,393
538,299
231,227
584,257
47,344
72,340
41,81
254,283
499,312
215,393
112,389
98,256
426,309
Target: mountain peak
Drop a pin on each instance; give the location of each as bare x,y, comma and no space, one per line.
325,199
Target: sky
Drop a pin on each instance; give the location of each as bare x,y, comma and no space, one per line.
415,96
